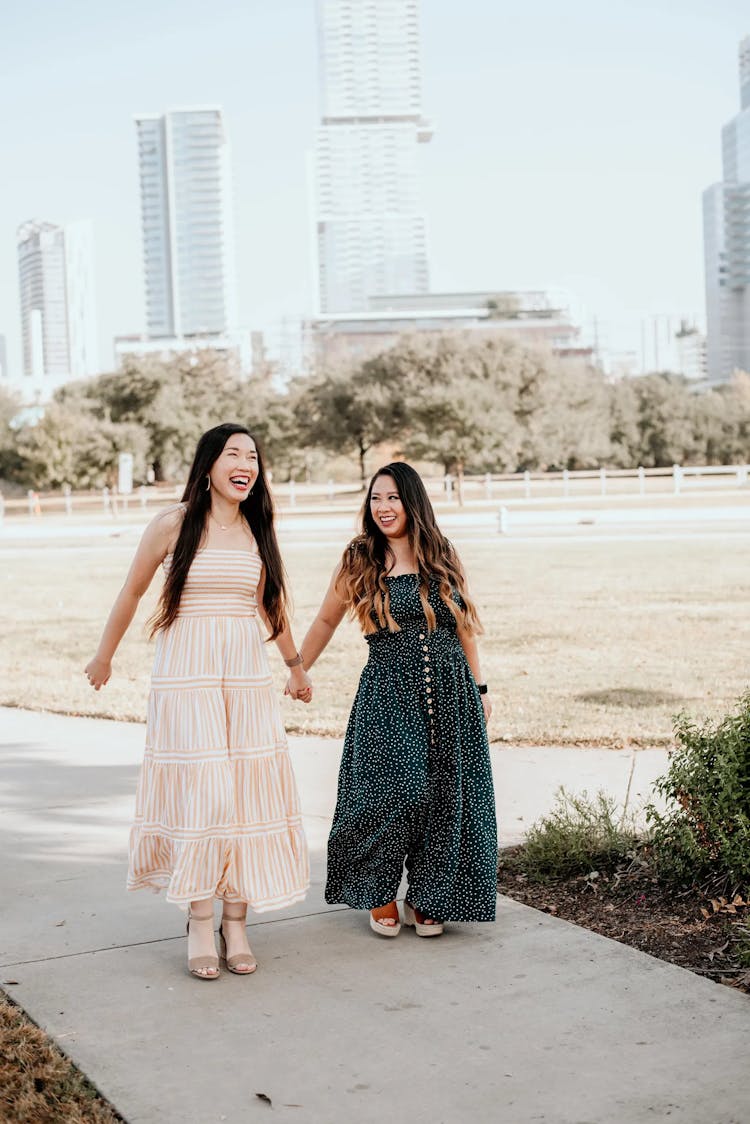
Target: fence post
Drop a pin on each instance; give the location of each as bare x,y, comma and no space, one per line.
603,480
741,475
105,498
144,497
448,484
566,482
677,478
68,500
527,484
292,494
502,520
488,485
641,479
331,491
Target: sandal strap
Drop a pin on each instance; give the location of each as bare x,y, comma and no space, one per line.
197,962
385,912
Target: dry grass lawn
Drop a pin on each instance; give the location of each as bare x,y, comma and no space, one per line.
38,1084
587,642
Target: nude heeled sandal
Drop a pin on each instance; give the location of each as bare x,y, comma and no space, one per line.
422,930
235,964
196,963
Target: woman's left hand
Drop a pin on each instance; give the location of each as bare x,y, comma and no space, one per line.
299,685
487,708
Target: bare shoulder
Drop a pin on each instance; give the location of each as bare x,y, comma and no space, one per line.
166,525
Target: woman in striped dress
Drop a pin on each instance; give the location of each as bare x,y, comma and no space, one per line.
217,811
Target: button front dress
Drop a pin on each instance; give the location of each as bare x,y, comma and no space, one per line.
415,782
217,811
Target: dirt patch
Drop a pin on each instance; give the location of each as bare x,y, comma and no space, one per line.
630,696
709,935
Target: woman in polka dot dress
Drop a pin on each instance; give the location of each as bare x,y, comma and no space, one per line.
415,783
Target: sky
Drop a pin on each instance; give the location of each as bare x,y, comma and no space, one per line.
572,144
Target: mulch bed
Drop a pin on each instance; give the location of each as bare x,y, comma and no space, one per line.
698,929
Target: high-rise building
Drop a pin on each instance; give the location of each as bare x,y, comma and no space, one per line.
726,224
186,219
4,372
371,235
58,300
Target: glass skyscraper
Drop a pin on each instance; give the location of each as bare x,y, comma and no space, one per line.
186,220
726,226
371,236
58,300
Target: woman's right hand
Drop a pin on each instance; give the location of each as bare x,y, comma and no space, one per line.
98,672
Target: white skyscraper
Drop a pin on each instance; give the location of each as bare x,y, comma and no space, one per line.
726,225
58,300
186,218
371,236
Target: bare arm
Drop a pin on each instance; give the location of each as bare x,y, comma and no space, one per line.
471,651
329,617
300,684
151,552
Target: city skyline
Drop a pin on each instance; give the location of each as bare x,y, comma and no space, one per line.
57,290
571,152
726,231
371,231
184,168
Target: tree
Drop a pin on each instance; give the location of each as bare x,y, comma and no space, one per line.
349,409
10,406
174,401
67,446
665,415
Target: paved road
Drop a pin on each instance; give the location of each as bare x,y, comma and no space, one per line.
530,1019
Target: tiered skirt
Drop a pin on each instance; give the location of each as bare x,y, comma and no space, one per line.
217,809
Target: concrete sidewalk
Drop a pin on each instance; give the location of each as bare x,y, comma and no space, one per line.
530,1019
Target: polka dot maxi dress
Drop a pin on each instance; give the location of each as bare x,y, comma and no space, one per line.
415,782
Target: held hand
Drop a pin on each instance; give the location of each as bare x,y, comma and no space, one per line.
299,685
487,708
98,672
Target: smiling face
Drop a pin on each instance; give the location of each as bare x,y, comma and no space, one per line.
387,509
235,470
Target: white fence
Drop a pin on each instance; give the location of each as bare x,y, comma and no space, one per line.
488,488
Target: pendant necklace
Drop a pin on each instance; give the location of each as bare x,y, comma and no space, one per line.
224,526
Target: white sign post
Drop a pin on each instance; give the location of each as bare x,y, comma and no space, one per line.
125,474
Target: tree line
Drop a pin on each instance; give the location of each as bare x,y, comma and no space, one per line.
461,403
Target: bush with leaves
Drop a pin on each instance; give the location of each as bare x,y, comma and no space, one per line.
704,832
579,835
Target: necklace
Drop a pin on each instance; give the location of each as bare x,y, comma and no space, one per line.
225,526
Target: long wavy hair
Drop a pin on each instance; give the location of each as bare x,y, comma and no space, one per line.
365,563
257,509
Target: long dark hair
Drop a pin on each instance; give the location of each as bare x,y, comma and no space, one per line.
367,559
257,509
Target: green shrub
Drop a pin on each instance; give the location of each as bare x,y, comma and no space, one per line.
579,835
704,832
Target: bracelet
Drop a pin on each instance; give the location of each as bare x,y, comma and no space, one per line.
482,688
298,659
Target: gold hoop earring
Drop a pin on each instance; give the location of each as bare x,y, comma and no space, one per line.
208,483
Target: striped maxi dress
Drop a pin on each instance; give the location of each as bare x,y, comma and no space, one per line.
217,811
